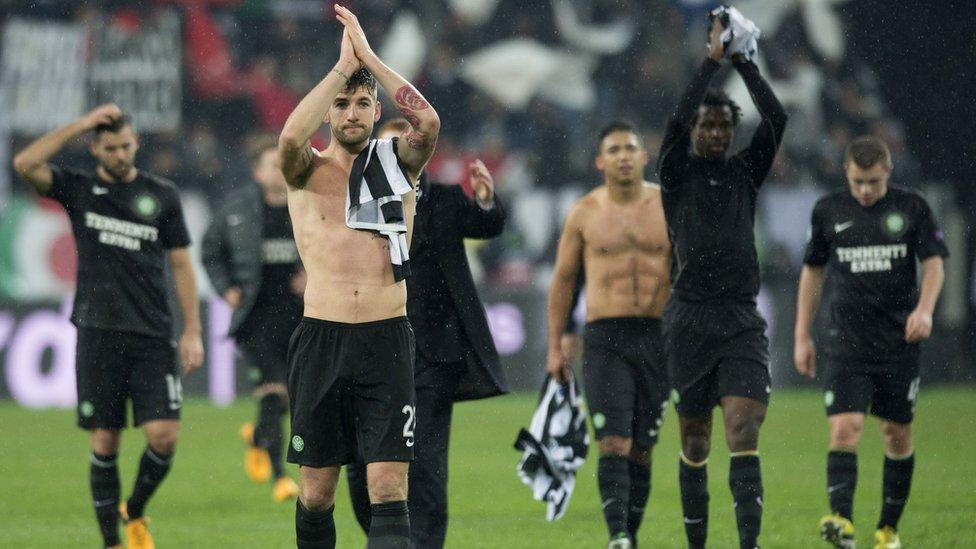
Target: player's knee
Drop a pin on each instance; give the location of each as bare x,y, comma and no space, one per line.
615,446
387,486
317,497
163,441
897,438
105,442
845,433
742,433
696,447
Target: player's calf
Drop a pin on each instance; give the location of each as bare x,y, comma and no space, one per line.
314,522
613,479
389,526
640,488
743,418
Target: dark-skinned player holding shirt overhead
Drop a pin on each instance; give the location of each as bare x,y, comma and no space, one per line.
866,239
715,338
351,383
127,224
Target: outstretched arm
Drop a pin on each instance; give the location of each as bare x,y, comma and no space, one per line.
424,122
294,144
676,137
762,149
32,163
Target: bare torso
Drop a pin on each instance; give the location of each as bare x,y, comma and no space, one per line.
350,276
626,255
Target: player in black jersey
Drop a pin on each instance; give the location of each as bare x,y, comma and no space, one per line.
250,255
866,239
715,338
126,224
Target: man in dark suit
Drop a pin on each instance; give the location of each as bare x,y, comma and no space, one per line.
250,255
456,357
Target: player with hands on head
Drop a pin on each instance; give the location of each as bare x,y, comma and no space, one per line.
127,225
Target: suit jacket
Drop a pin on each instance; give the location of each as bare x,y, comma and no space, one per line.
231,249
444,218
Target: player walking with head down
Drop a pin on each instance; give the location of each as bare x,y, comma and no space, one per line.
618,235
717,348
351,357
867,239
127,223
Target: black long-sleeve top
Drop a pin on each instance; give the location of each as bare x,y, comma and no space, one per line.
710,204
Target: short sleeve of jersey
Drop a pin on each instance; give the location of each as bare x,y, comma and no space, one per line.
929,238
818,245
65,185
172,229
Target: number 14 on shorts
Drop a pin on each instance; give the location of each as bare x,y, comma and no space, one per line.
174,391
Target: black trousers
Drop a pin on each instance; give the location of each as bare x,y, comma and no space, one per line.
435,385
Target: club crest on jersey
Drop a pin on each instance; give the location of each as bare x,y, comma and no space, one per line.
895,224
146,206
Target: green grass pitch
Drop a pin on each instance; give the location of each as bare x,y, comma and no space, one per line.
207,501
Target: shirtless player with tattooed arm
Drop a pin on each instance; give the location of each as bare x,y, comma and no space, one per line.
351,381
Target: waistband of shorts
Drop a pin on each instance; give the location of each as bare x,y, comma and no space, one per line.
720,302
307,320
646,322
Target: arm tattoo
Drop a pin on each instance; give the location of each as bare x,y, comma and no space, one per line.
417,141
408,97
410,116
408,101
305,162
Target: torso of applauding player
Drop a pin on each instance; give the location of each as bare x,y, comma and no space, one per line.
350,277
626,255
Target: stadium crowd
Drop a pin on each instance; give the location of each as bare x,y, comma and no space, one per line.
246,63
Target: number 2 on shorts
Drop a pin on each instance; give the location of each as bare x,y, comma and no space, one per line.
410,424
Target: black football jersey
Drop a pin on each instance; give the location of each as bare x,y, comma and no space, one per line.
871,256
122,232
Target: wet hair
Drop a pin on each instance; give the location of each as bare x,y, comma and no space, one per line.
259,146
115,126
866,151
361,79
718,98
398,125
614,127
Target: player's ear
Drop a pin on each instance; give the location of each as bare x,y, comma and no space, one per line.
377,111
598,162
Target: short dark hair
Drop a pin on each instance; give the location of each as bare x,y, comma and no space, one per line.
718,98
398,124
866,151
115,126
361,79
614,127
